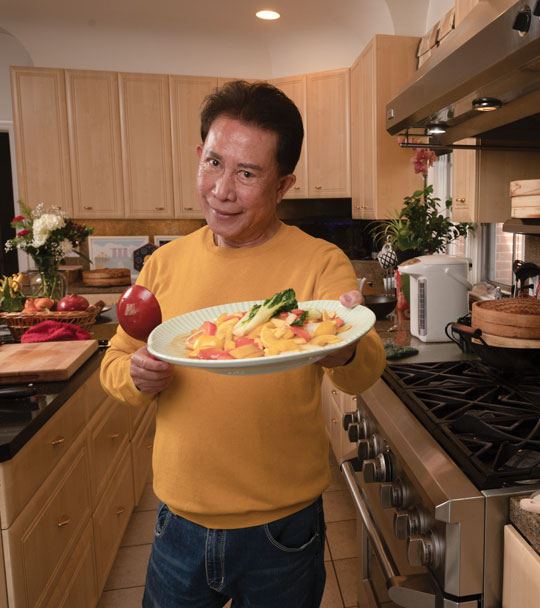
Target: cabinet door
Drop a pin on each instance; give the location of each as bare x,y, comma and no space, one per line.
146,145
41,137
328,144
464,176
94,137
463,8
295,89
187,95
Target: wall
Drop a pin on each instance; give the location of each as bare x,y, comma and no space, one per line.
12,52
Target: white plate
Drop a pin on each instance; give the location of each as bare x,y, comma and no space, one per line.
159,342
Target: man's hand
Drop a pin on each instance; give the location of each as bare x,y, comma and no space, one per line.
342,356
150,375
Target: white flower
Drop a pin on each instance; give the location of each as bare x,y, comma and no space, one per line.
43,226
66,247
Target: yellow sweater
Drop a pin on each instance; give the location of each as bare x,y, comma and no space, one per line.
237,451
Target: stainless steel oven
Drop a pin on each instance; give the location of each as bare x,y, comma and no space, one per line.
439,449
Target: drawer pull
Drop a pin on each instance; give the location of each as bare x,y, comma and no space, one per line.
58,441
88,207
149,446
160,208
113,435
64,522
318,187
120,510
460,200
188,208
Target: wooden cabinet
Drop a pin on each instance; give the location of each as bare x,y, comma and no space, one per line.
95,145
481,181
335,404
295,89
463,8
328,140
382,172
66,498
41,136
146,145
521,571
187,95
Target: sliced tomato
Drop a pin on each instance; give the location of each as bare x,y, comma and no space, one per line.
297,312
300,332
213,353
209,328
339,322
225,356
241,341
283,315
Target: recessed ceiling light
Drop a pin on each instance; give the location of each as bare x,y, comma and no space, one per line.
486,104
436,129
269,15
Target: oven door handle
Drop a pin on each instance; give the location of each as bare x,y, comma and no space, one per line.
411,591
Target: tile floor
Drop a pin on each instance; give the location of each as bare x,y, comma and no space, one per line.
125,585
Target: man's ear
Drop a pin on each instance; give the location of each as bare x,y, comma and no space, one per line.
199,150
285,184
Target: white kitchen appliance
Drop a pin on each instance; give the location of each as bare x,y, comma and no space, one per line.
438,294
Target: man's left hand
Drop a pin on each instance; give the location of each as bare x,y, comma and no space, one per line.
342,356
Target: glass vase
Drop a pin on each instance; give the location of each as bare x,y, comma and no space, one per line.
47,282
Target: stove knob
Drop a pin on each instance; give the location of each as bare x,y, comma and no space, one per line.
377,469
401,525
364,450
417,522
394,495
424,550
353,432
522,22
350,418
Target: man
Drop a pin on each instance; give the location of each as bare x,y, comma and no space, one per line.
240,462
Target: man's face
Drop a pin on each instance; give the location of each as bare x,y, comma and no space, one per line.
238,183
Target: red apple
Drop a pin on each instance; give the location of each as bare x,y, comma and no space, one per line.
72,301
138,312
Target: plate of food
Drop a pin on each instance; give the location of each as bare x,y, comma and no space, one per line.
259,337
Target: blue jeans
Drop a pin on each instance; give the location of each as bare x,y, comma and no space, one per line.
274,565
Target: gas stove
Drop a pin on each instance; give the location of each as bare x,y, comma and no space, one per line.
439,449
487,421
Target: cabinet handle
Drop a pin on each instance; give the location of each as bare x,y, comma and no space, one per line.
188,208
58,441
148,446
64,522
160,208
355,399
318,187
296,188
334,392
334,420
120,510
87,207
113,436
358,207
460,200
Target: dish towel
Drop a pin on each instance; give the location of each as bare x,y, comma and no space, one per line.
54,331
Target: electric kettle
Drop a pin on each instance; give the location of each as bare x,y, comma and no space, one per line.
438,294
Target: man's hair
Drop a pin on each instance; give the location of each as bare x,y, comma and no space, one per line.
264,106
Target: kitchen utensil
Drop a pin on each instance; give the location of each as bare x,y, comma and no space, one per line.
163,343
438,294
507,356
381,305
138,312
524,187
43,361
524,271
509,317
532,503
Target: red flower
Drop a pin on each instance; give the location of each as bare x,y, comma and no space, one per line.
19,218
423,160
23,232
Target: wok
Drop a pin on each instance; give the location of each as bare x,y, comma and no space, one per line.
381,305
524,360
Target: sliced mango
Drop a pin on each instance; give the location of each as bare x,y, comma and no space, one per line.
246,351
325,328
324,340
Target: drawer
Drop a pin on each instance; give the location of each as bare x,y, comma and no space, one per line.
77,585
141,451
111,518
93,395
108,435
136,415
44,535
30,467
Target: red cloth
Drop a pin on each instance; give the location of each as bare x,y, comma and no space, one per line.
54,331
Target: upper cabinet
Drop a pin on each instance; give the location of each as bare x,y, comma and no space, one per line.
41,137
328,134
187,95
95,144
382,173
481,181
295,89
463,8
146,145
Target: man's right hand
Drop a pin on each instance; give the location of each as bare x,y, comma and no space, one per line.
149,375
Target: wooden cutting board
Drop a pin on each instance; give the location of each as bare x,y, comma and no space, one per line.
43,361
107,276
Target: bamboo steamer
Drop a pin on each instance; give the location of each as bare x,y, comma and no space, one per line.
525,198
508,317
107,277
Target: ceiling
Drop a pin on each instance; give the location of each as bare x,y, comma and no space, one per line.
215,34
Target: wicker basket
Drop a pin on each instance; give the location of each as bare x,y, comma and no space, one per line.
19,322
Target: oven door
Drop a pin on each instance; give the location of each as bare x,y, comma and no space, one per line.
385,577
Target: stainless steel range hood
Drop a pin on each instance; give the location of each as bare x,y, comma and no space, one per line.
493,53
